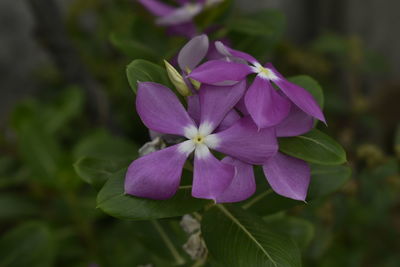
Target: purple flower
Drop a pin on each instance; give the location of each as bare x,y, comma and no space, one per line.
157,175
266,106
178,19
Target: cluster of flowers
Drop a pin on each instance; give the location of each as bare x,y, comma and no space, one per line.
226,115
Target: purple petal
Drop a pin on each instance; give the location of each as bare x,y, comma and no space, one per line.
243,184
180,15
229,52
156,175
193,107
217,101
245,142
160,109
241,106
266,107
210,177
296,123
215,71
157,8
213,53
230,119
299,96
288,176
193,52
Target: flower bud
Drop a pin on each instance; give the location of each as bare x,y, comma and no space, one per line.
177,80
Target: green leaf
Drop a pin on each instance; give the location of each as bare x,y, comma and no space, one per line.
29,244
238,238
141,70
324,181
113,201
96,171
13,206
315,147
311,86
300,230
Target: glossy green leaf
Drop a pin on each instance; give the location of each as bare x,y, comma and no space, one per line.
113,201
311,86
141,70
324,181
238,238
96,171
29,244
315,147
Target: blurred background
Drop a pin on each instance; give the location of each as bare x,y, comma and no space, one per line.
64,95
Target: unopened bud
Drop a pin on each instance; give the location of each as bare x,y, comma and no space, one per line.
177,80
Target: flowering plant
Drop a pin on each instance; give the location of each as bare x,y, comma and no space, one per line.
231,141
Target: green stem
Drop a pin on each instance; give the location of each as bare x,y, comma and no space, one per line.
178,258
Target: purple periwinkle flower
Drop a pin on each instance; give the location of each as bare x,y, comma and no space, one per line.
178,19
266,106
157,175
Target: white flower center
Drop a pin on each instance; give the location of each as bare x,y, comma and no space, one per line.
265,72
199,139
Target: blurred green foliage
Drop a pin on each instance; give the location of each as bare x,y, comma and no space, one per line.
47,212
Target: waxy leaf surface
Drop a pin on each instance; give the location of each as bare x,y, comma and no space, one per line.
113,201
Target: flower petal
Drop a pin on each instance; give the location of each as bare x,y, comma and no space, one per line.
180,15
193,107
296,123
243,184
156,175
229,52
299,96
288,176
193,52
215,71
246,142
157,8
266,107
241,107
160,109
217,101
230,119
210,177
